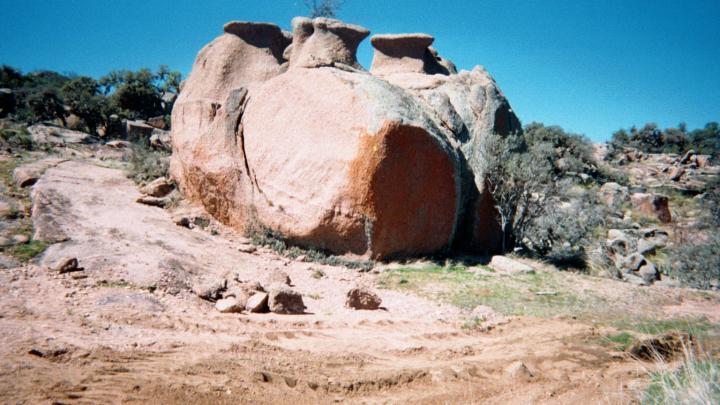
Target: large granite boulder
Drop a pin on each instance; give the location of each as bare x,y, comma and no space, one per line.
299,138
207,161
346,162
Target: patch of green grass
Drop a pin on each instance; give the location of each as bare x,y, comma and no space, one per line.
314,296
24,252
539,294
698,327
620,341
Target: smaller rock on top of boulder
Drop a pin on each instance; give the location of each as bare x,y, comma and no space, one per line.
362,298
401,43
260,34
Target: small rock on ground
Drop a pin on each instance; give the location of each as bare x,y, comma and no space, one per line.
362,298
229,305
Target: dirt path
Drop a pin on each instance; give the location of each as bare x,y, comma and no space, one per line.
132,332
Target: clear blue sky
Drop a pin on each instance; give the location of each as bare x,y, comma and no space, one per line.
591,66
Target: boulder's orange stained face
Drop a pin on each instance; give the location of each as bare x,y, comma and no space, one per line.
405,184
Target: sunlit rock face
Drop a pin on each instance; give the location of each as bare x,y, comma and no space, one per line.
290,132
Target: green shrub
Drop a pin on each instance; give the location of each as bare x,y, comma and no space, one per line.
24,252
563,235
147,164
696,265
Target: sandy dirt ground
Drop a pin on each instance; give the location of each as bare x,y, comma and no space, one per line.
130,331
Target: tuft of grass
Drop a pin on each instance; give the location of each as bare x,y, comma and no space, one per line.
698,327
697,381
318,274
25,252
620,341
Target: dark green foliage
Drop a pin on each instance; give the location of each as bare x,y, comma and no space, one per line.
41,96
520,177
10,77
83,97
706,141
135,94
44,104
651,139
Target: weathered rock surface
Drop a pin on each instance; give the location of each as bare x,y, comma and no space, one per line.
66,265
362,298
47,135
394,174
613,194
383,183
405,53
209,289
92,212
27,174
276,276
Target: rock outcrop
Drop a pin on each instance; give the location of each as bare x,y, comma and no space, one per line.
299,138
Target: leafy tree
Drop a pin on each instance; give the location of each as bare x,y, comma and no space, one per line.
45,104
82,95
706,140
323,8
139,94
169,80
